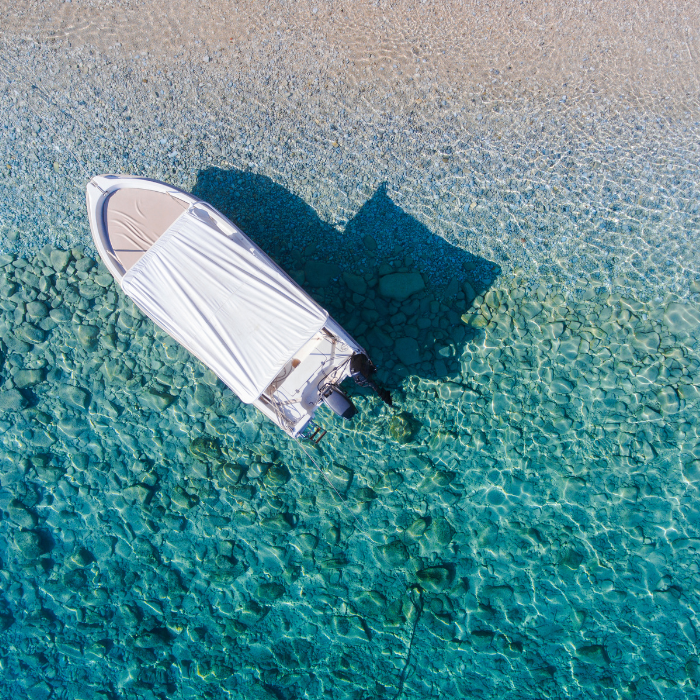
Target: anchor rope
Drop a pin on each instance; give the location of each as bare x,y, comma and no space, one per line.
338,494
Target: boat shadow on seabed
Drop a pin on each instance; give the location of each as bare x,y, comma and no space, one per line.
409,323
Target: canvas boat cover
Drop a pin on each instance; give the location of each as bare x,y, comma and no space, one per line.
224,300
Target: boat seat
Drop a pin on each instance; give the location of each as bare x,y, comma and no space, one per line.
136,218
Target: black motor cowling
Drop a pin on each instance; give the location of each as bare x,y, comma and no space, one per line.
361,369
338,402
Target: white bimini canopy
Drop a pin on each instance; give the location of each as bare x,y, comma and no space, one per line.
209,287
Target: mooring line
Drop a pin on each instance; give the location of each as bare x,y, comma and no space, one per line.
404,670
337,493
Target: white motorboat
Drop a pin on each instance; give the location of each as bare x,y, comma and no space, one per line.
204,282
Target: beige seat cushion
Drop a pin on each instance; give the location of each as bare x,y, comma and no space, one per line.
136,218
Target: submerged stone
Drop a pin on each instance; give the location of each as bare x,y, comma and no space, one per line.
435,578
203,395
27,377
320,274
21,515
74,396
417,528
37,309
156,400
593,654
277,475
355,283
645,342
270,591
277,523
351,627
681,318
469,292
691,471
668,400
394,553
12,400
401,285
407,351
205,448
60,259
28,543
30,334
400,428
61,314
88,336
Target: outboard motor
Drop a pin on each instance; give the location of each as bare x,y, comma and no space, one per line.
338,402
361,368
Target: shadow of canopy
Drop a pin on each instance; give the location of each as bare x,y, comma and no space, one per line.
398,288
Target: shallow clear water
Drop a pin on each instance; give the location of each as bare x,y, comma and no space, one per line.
523,523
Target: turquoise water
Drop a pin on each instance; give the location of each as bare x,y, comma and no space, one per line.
524,522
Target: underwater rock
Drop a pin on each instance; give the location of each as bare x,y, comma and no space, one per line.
449,391
340,476
378,338
417,528
277,523
436,481
156,400
320,274
116,371
81,558
37,309
369,243
593,654
21,515
350,627
441,532
232,473
400,428
355,283
203,395
257,470
277,475
680,318
12,400
691,471
365,494
389,482
138,493
668,400
561,386
205,448
30,334
27,377
435,578
469,292
252,612
88,336
370,603
28,543
394,553
401,285
74,396
407,350
270,591
646,343
73,426
61,314
183,500
60,259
